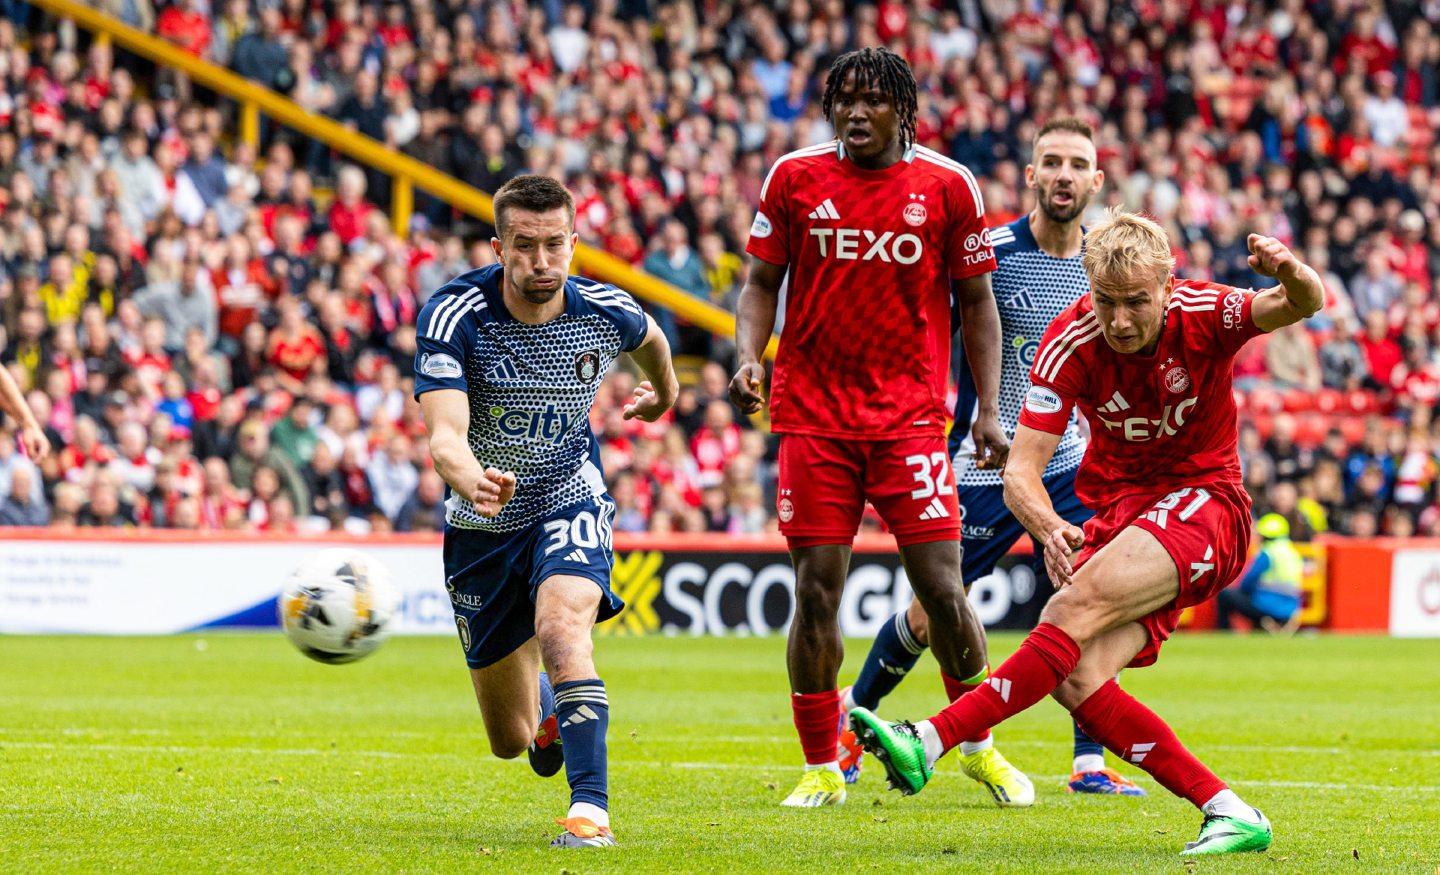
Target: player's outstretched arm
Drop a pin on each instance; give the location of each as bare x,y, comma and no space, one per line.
1300,294
980,328
754,323
1029,500
12,401
447,417
657,394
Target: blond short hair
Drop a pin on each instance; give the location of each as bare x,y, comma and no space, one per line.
1125,249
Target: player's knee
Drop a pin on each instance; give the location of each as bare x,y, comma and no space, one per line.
566,648
1078,612
938,589
509,741
508,732
816,598
1074,690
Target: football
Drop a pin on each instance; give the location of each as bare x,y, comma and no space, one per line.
336,607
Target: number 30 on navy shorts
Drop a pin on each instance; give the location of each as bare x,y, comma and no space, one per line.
825,482
493,577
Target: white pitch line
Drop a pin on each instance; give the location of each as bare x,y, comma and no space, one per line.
1326,785
689,766
1307,750
1303,785
760,738
175,748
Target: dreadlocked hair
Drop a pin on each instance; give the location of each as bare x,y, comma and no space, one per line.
883,69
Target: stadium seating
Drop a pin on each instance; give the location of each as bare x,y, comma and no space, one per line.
676,112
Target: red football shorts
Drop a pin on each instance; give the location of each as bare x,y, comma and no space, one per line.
1206,531
825,482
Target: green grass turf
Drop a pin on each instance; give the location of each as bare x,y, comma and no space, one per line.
231,752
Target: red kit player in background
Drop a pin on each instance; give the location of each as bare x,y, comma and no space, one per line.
873,231
1148,358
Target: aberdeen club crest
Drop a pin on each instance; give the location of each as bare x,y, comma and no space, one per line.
587,366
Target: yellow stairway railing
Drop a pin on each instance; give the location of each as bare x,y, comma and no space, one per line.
405,172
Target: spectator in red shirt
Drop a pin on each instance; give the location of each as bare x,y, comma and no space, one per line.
1362,50
716,443
150,361
242,286
1381,351
350,211
1415,379
294,347
187,27
79,458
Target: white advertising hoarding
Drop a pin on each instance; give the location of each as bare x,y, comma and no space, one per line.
138,588
1415,594
164,583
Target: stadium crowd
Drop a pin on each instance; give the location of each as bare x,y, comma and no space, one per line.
220,337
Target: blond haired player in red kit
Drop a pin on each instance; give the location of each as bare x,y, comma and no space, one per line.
1148,359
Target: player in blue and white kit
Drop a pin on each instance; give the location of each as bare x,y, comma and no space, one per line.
508,362
1038,275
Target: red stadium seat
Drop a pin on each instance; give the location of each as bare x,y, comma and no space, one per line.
1329,400
1263,422
1310,429
1265,400
1298,401
1353,428
1362,402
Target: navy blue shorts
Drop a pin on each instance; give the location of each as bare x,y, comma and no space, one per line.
988,529
492,577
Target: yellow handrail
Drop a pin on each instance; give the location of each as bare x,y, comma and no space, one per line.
404,171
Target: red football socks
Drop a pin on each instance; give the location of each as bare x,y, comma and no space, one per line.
1114,718
954,690
1045,658
817,719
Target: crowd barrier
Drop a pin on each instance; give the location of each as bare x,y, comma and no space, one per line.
161,582
1385,585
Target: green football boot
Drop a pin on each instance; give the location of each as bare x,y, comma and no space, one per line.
897,746
1230,835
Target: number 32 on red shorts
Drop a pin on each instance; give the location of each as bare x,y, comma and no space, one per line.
825,482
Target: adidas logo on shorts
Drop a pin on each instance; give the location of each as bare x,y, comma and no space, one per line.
935,511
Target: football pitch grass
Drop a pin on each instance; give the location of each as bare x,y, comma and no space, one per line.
231,752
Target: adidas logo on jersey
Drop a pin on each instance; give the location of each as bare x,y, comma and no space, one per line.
576,555
826,210
1116,404
1021,300
502,370
935,511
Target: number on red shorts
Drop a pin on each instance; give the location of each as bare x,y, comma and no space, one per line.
932,475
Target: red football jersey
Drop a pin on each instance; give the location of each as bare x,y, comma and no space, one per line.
865,347
1158,422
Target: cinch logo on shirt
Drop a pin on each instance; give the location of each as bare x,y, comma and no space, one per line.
548,424
1139,428
885,246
